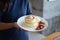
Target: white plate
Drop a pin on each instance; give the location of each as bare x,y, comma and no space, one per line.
21,21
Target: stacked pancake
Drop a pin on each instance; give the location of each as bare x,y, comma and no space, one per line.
31,21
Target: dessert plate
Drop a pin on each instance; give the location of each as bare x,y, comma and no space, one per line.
21,21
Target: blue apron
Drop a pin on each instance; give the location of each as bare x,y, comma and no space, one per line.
19,8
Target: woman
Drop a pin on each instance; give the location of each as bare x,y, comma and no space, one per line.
10,11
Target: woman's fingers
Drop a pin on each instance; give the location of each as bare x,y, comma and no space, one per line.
16,25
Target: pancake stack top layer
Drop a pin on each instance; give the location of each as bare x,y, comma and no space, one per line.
31,21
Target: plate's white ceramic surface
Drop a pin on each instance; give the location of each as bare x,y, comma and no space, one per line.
21,21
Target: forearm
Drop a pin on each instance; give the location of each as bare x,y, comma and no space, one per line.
6,26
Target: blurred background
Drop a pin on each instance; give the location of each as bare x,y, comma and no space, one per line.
50,10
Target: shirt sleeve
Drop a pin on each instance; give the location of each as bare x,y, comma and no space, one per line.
29,11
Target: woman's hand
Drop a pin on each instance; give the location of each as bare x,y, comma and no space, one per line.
16,26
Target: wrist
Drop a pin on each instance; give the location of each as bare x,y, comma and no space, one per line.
11,24
14,24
